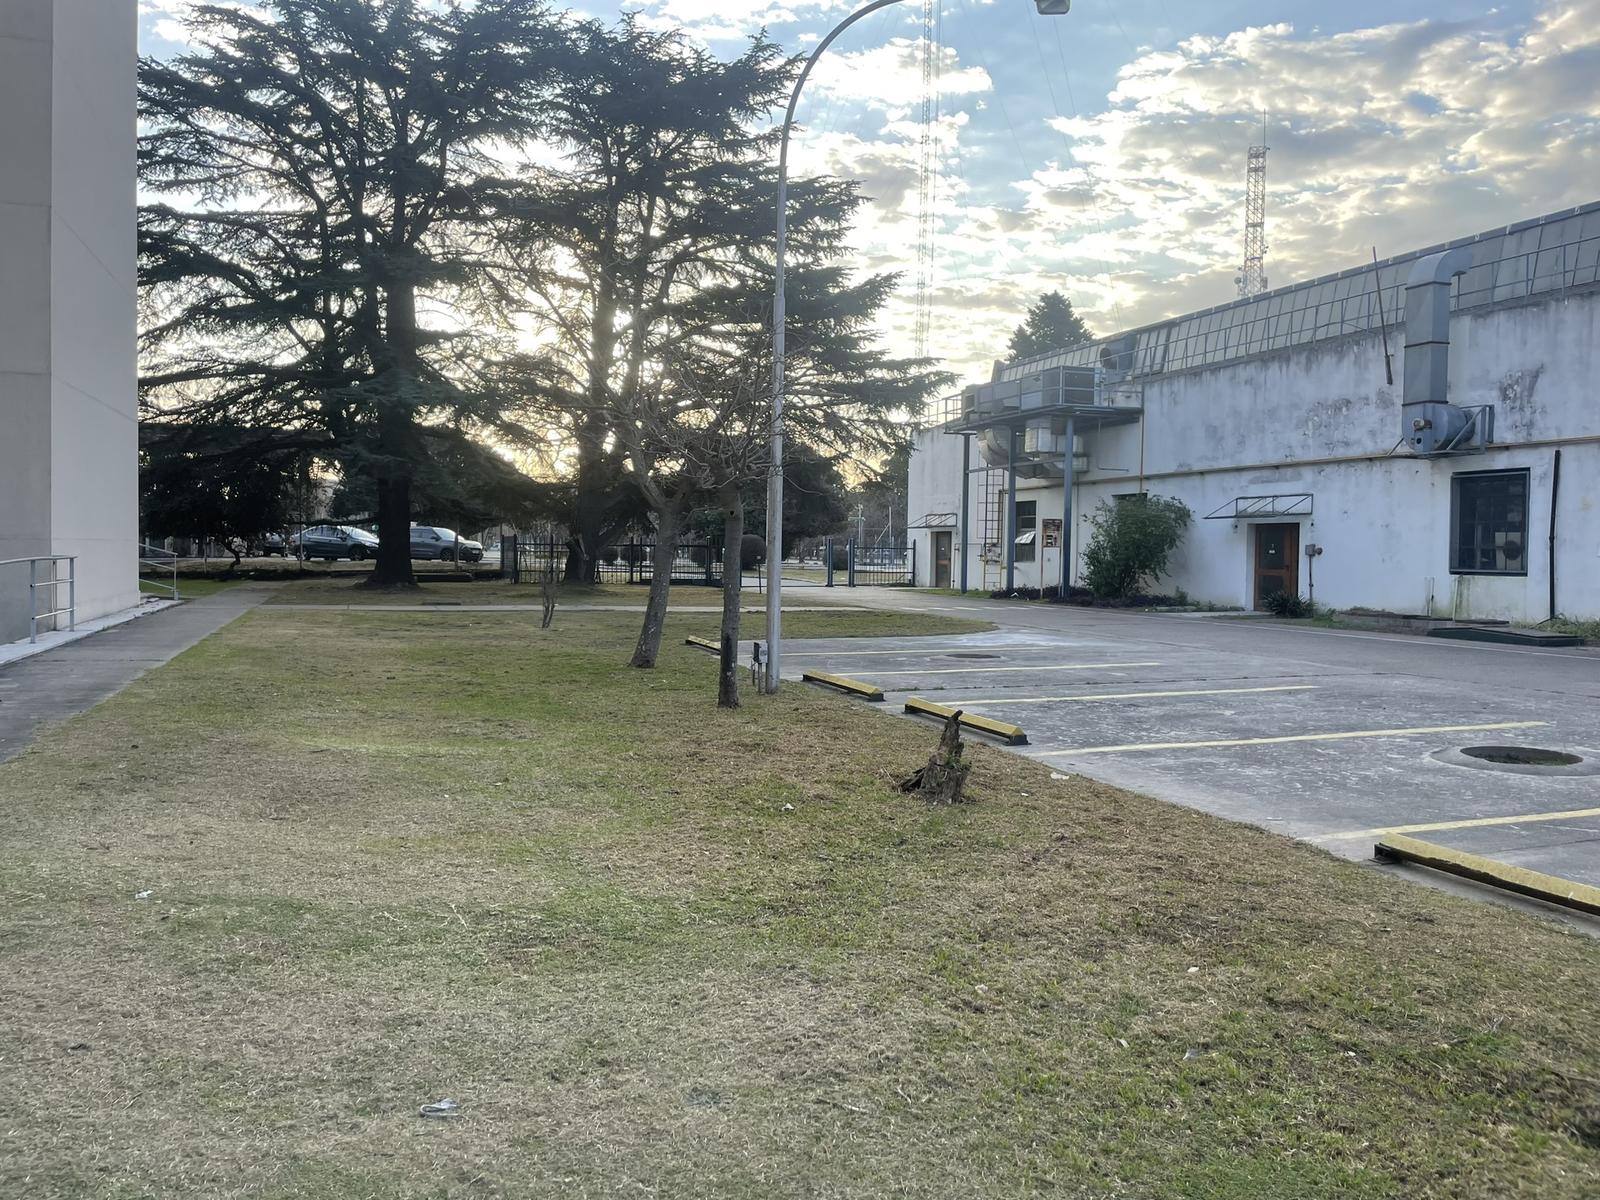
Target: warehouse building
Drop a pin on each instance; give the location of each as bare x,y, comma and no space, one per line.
1418,435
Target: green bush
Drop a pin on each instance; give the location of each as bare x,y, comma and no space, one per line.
1288,604
1132,540
752,552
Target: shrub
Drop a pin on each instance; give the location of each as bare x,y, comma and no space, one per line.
752,552
1289,604
1132,540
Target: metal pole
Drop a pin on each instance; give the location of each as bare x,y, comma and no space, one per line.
72,589
966,488
33,600
775,468
1011,508
1066,515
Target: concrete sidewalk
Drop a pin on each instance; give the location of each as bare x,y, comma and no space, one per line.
63,682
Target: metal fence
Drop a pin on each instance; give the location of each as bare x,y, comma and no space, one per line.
624,562
843,564
1546,255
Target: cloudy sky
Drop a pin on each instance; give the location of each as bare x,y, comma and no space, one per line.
1103,153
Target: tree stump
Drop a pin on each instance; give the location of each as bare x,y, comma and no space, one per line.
945,776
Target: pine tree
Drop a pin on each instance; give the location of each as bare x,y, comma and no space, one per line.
1051,324
648,257
317,274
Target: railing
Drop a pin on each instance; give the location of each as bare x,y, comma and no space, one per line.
154,558
53,583
622,562
1549,255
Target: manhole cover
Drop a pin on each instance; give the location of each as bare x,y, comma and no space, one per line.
970,654
1522,756
1520,760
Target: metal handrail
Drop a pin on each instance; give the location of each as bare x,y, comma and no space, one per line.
148,557
35,585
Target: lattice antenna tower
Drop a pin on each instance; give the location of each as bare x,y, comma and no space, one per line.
928,169
1252,277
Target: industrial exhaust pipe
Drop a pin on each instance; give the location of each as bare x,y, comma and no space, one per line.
1428,421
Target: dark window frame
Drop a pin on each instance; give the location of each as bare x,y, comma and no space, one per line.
1459,546
1027,523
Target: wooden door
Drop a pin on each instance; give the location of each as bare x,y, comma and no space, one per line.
941,560
1277,561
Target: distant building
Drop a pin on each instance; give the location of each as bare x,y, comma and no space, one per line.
1274,420
68,406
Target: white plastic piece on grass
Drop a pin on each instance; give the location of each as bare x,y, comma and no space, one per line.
141,895
440,1109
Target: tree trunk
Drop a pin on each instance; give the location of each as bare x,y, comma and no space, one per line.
732,581
668,522
393,565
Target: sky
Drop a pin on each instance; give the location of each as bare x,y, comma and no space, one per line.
1102,153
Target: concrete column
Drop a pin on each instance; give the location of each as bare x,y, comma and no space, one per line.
69,457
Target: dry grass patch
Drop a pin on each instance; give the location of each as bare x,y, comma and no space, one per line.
654,948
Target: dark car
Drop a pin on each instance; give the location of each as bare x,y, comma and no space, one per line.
265,545
335,541
433,541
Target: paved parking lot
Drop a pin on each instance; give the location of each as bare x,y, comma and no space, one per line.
1324,735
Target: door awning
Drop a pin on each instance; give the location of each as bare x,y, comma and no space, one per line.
1263,508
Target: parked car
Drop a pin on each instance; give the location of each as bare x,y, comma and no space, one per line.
334,541
267,544
433,541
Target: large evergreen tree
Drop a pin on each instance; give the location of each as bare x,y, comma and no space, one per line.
1051,324
649,263
317,272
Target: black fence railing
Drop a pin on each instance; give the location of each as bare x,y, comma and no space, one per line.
882,566
842,564
625,562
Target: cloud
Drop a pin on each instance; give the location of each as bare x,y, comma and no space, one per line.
1399,135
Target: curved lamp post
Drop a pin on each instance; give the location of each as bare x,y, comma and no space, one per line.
774,675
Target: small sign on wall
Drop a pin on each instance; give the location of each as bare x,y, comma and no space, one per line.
1052,532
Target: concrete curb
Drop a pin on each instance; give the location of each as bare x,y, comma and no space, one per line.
1011,735
1550,888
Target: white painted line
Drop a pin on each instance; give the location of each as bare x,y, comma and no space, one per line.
993,670
1474,823
1297,737
915,650
1291,687
1414,639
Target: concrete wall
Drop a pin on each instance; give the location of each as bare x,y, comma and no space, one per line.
69,457
1322,420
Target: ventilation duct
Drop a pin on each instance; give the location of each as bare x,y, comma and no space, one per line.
1428,421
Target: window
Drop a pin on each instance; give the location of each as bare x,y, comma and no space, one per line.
1489,523
1027,523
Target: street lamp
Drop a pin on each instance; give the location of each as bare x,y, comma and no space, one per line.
774,675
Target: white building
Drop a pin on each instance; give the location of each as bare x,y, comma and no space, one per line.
68,407
1464,481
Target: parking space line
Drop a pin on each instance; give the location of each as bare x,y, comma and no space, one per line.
995,670
968,649
1291,687
1469,823
1295,737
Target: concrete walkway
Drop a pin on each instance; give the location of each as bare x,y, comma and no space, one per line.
63,682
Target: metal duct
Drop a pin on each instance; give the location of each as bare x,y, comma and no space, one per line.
1428,421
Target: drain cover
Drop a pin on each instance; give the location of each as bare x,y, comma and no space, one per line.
1522,756
1520,760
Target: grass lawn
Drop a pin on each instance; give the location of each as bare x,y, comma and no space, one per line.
657,949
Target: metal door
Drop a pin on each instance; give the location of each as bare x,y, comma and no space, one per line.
941,559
